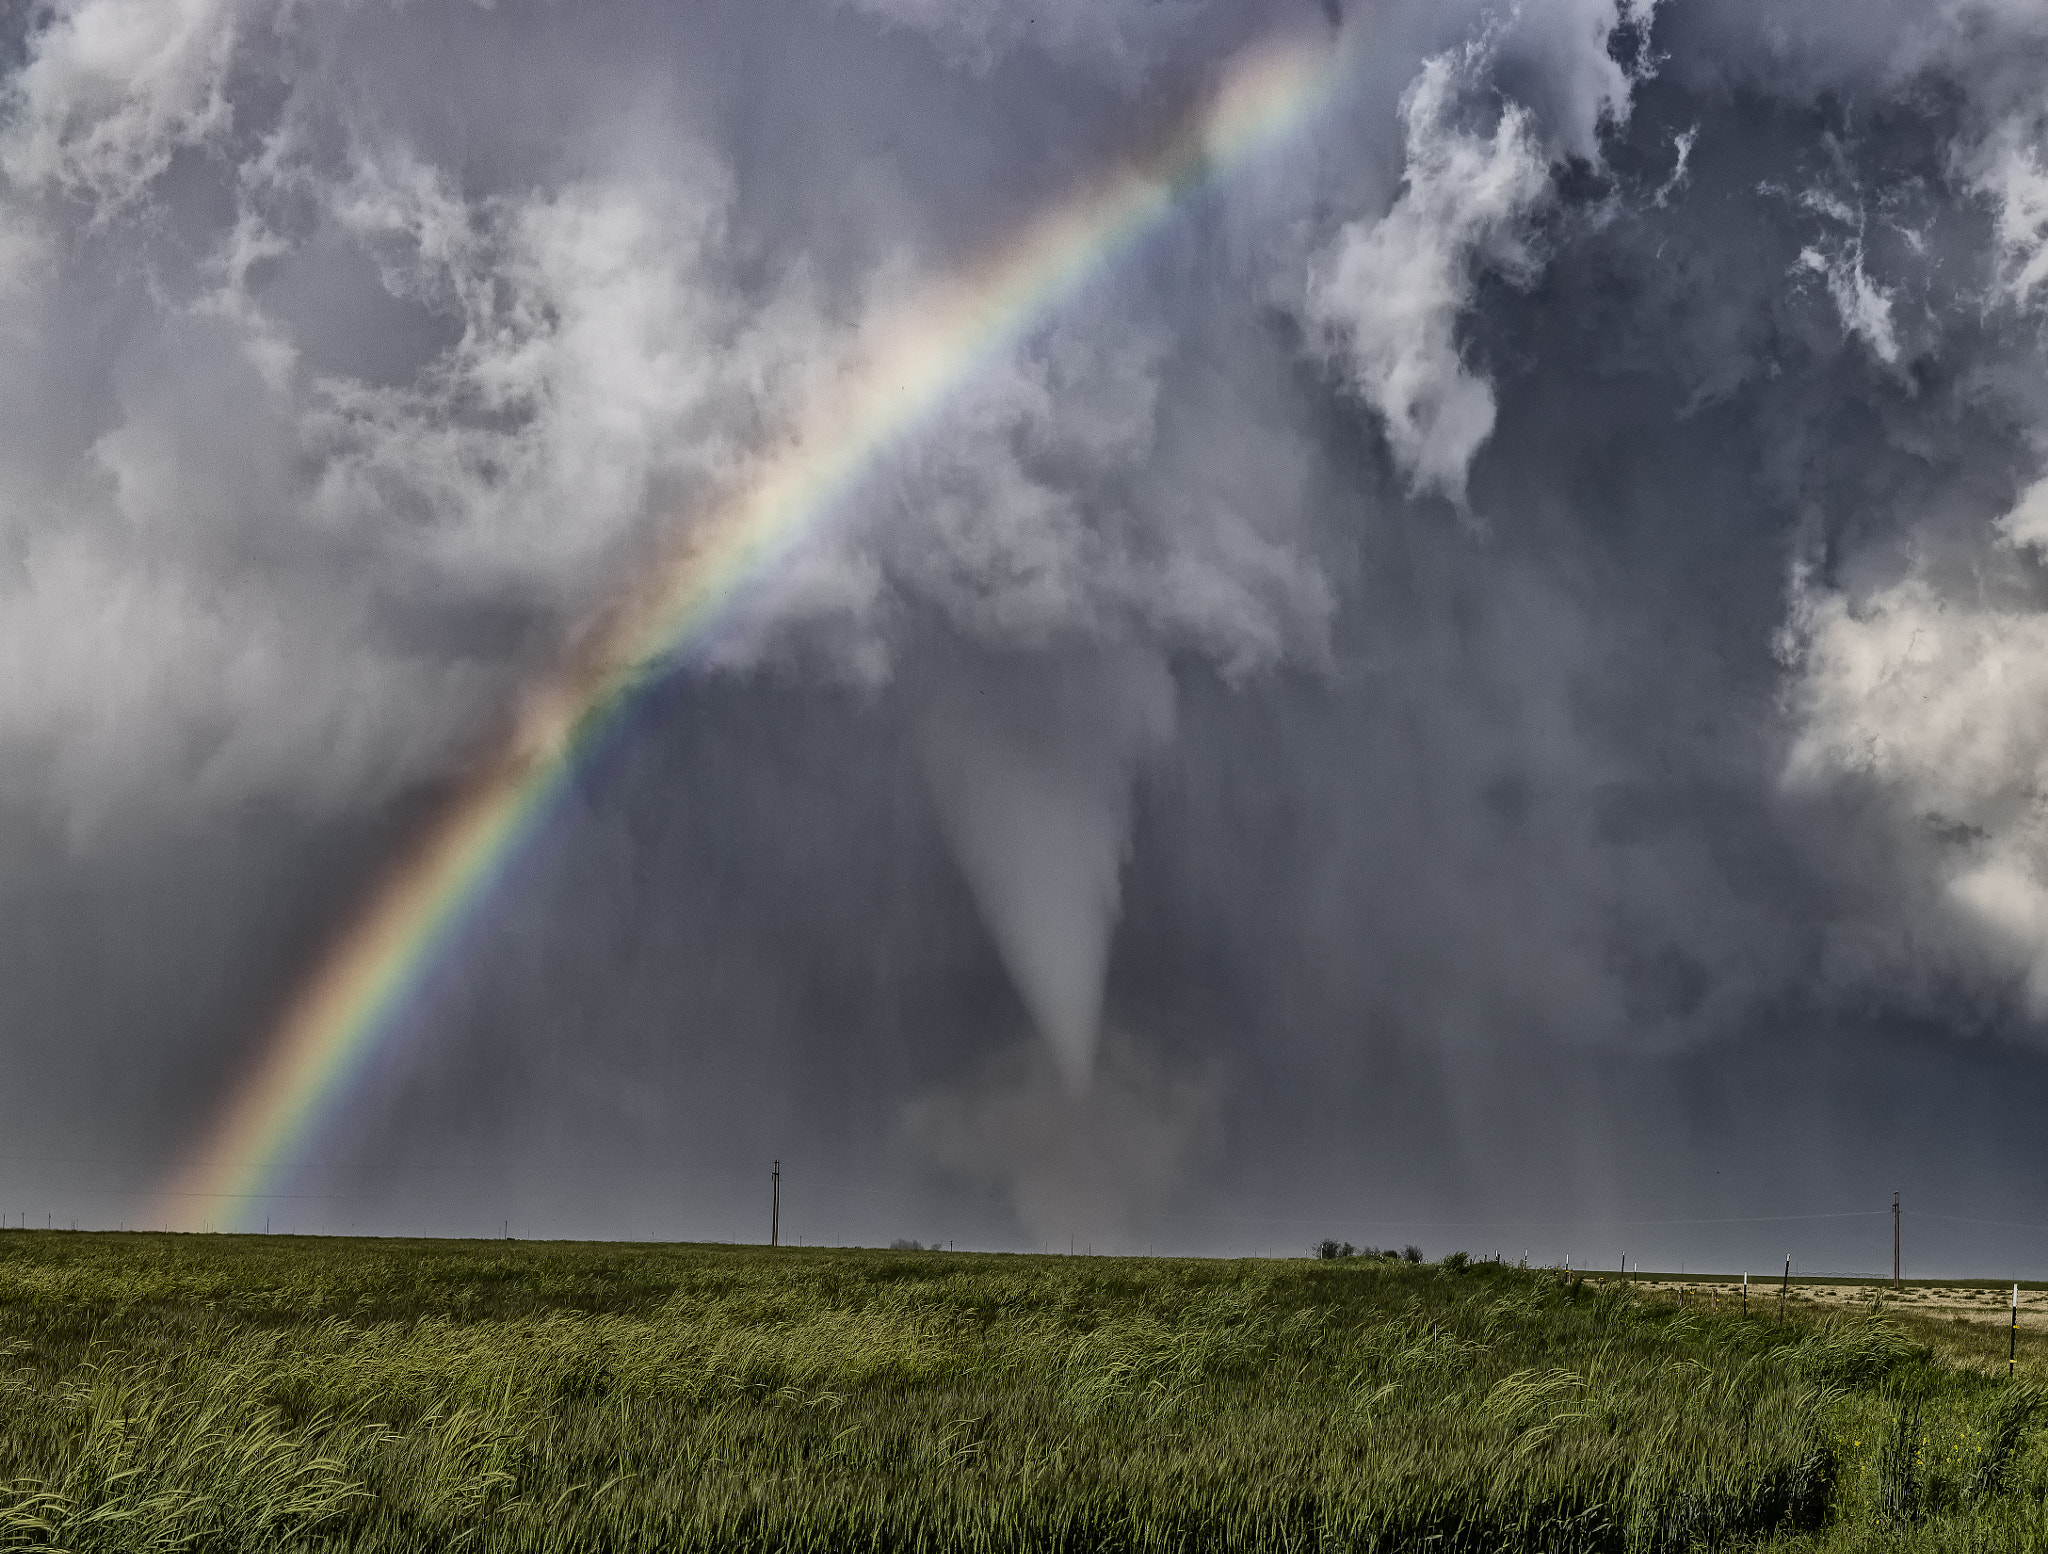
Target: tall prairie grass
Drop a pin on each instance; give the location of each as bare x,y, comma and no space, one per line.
223,1393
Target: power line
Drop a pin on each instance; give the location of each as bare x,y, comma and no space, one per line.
2002,1224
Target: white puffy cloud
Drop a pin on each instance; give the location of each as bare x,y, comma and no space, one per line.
1561,58
597,361
358,468
2011,170
1390,294
1937,697
1483,123
1049,507
1864,307
113,88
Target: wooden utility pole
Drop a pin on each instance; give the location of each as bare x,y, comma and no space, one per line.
1895,1242
775,1207
1785,1288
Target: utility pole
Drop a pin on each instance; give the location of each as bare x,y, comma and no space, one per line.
2012,1344
1895,1242
775,1207
1785,1288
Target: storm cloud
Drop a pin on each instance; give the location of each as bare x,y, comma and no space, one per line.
1484,685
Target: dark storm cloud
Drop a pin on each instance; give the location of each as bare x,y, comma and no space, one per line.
1493,667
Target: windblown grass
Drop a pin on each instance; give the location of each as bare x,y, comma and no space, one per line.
225,1393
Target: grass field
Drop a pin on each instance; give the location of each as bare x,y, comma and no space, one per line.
241,1393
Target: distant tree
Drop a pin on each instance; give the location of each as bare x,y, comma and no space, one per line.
900,1244
1330,1250
1412,1254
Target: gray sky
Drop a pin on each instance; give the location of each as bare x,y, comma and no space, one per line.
1487,685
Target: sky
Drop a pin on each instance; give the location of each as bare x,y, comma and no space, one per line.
1484,686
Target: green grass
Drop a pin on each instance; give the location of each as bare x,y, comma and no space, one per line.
241,1393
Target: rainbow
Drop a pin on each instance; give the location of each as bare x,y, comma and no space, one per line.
357,1001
